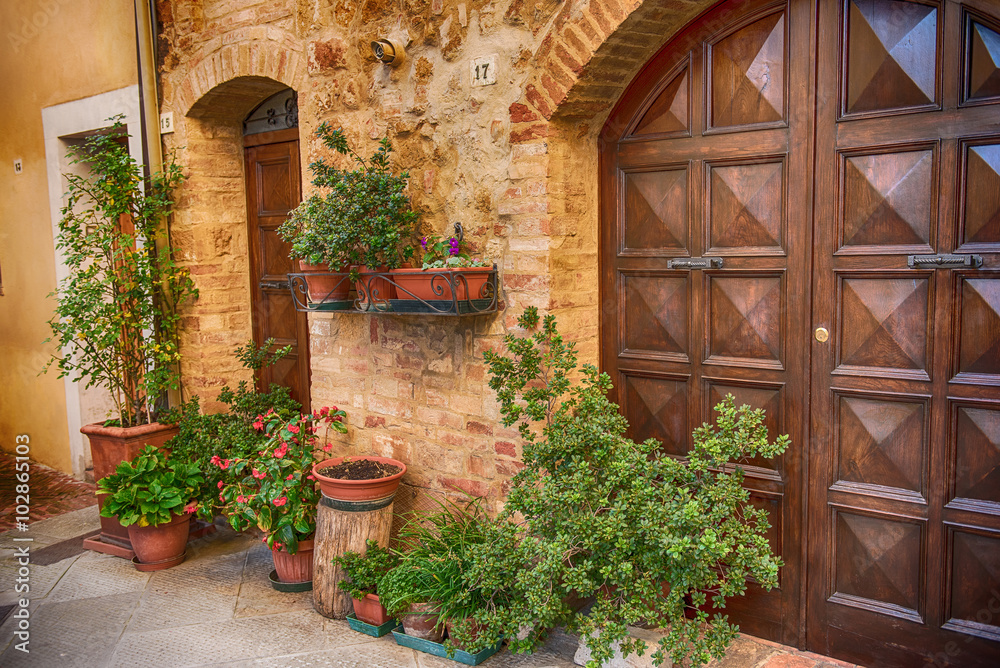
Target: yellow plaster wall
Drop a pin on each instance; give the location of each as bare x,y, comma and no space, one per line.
51,52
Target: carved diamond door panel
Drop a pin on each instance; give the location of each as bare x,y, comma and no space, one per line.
708,163
906,393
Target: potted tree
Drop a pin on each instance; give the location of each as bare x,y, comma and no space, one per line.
153,497
364,571
276,491
447,273
594,515
116,317
359,225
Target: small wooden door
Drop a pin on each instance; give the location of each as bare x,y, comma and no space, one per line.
904,508
274,189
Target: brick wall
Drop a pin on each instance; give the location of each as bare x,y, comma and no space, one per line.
515,162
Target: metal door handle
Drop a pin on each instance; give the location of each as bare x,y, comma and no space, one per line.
944,261
695,263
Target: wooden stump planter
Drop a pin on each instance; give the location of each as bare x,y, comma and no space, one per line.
109,447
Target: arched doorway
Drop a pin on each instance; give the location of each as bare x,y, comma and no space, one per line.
796,198
273,188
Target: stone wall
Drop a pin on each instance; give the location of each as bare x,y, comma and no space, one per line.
515,162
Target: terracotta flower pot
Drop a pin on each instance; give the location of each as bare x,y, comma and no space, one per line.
358,490
370,610
160,543
110,446
296,567
478,641
421,621
436,284
375,289
325,288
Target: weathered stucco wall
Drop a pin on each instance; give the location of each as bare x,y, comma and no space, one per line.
52,52
515,162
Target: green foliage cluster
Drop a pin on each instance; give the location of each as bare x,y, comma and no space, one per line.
116,319
363,219
436,553
364,571
275,489
150,489
229,435
595,515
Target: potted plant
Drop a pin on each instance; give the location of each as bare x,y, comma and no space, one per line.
595,515
153,496
276,491
360,224
364,571
429,588
360,478
447,273
204,439
116,318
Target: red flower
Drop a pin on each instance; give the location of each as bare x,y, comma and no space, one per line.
220,484
290,476
224,464
281,500
215,460
191,507
310,477
259,423
258,474
328,447
241,499
293,428
281,450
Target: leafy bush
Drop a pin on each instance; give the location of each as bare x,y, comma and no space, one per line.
365,216
229,435
117,319
149,490
365,571
595,515
275,489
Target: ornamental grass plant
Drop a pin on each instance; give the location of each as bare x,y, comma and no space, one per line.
594,515
116,318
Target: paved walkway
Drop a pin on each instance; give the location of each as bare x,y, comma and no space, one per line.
217,609
52,492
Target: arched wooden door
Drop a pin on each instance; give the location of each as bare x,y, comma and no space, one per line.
795,199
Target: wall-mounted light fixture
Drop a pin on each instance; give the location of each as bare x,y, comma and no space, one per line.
389,51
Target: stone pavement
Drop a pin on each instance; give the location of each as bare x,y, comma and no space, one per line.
218,609
52,492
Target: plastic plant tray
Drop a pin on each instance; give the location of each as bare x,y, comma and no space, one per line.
369,629
438,649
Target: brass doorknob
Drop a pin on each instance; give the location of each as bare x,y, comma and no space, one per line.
822,334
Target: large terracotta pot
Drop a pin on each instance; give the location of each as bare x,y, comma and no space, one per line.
436,284
370,610
376,289
163,543
110,446
325,288
294,567
421,621
358,490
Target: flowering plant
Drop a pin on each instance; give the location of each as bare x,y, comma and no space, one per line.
277,491
150,490
445,253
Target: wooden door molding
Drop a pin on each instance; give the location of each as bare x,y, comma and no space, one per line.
273,188
708,153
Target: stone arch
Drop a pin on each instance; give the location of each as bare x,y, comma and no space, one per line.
593,49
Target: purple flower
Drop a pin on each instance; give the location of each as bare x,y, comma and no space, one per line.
423,242
453,246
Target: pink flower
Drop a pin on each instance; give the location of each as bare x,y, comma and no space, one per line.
258,474
215,460
328,447
281,500
191,507
220,484
224,464
293,428
241,499
290,476
259,423
310,477
221,498
281,450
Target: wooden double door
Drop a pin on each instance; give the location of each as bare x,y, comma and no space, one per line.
801,207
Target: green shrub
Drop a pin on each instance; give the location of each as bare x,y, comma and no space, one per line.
149,490
365,571
595,515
